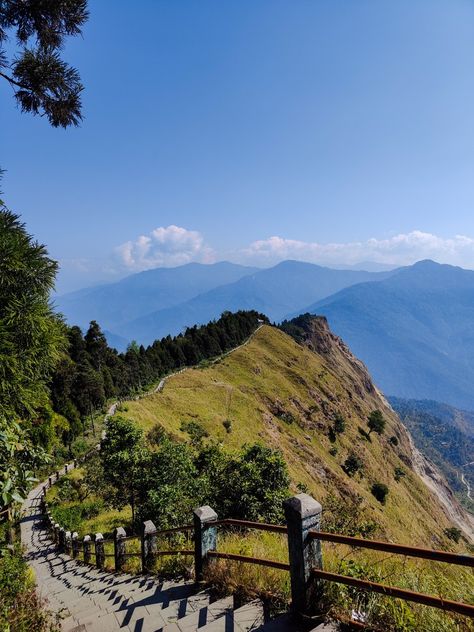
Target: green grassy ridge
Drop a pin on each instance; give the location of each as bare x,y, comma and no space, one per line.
273,373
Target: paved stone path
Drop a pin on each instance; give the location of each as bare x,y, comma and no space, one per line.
91,600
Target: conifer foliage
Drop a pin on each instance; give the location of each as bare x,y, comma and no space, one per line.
42,81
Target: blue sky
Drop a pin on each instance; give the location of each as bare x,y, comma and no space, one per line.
255,130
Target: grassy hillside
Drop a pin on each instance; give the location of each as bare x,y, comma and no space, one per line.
287,396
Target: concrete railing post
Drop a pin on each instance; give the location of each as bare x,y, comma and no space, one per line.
303,514
99,550
75,463
148,544
57,475
75,544
61,538
65,469
205,539
56,530
50,480
119,548
86,545
67,542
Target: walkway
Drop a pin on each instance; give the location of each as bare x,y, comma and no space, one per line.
90,600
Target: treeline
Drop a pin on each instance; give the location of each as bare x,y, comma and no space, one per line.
91,372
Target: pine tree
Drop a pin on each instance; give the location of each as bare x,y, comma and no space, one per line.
43,83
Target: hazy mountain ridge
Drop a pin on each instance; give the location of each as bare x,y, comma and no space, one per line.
272,291
139,294
414,330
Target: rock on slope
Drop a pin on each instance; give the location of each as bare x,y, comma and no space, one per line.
287,394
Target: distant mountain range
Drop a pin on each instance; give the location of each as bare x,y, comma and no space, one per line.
412,326
164,301
114,304
414,330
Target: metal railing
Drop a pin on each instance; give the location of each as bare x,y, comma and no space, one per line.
304,541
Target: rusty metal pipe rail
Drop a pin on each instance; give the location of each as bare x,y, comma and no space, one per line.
247,524
399,593
249,560
175,552
388,547
186,527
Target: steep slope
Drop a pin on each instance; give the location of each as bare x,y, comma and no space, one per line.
287,286
287,395
446,436
146,292
462,420
414,330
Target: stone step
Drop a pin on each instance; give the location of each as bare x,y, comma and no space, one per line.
184,607
202,617
287,623
249,616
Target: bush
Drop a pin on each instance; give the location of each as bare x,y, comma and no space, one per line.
195,430
376,422
393,440
399,473
339,423
380,491
333,451
453,533
227,425
352,464
20,607
156,434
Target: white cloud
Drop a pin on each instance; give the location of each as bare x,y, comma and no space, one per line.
402,249
164,246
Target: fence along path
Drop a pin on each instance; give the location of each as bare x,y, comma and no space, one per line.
93,600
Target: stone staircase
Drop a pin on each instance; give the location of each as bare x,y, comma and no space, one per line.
92,600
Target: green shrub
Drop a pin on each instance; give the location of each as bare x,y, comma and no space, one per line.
376,422
227,425
352,464
380,491
339,424
399,473
393,440
453,533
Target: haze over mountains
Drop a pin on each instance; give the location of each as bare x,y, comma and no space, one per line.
164,301
414,330
412,326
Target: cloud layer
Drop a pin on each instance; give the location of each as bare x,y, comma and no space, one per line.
402,249
164,246
174,245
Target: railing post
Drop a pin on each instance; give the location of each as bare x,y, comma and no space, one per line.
99,550
205,539
75,544
148,544
57,475
75,463
119,548
61,538
67,543
65,469
86,545
50,481
303,514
